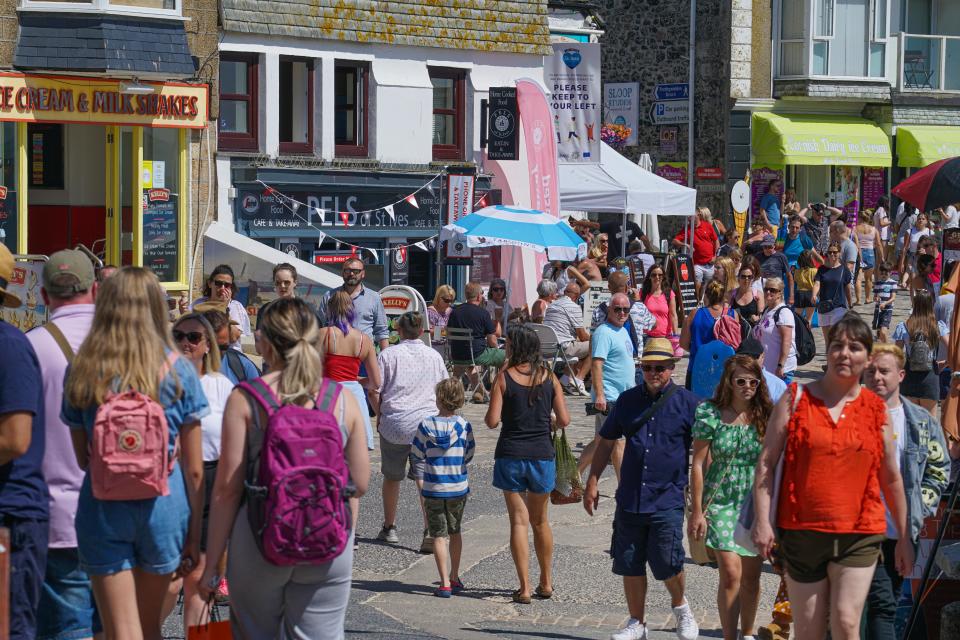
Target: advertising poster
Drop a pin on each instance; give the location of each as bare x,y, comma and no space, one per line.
8,218
760,178
572,76
160,233
668,140
874,186
673,171
27,278
459,204
621,105
846,184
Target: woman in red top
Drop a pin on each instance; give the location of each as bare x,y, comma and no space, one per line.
838,454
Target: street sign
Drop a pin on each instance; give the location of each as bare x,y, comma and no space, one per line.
709,173
502,127
670,112
673,91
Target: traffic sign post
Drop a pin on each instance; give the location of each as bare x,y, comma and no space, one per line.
670,112
672,91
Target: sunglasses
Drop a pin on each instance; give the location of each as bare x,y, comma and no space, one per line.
656,275
193,337
654,368
621,309
747,382
771,290
222,284
833,253
745,276
497,289
447,300
352,272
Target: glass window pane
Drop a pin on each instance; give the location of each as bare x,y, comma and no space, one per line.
348,105
444,93
8,180
791,61
233,116
952,80
823,24
161,201
233,77
147,4
444,129
791,20
877,58
294,101
820,52
880,19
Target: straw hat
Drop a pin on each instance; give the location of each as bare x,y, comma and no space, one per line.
657,350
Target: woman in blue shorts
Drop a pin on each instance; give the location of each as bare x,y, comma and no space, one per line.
131,548
524,467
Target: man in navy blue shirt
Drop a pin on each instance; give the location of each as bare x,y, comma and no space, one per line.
656,418
24,499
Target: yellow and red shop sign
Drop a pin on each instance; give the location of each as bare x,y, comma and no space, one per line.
35,98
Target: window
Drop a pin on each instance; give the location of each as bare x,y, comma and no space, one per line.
238,103
152,7
296,105
791,38
46,155
448,116
350,109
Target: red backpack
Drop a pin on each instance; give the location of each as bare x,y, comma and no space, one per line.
727,329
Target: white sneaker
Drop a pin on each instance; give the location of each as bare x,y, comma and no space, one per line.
581,387
635,630
687,628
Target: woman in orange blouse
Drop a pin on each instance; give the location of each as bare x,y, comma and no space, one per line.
838,454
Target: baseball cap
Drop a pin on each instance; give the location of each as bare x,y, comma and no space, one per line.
768,241
750,347
68,262
6,275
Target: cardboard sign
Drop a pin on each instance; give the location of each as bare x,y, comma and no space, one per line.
684,284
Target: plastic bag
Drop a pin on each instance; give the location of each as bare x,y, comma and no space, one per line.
568,489
214,629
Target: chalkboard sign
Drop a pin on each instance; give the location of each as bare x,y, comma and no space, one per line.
684,284
597,294
160,233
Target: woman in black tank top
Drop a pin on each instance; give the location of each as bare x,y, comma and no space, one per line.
522,399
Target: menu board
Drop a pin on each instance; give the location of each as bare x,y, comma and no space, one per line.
874,185
684,284
8,218
160,233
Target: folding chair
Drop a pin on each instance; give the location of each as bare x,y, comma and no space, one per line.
465,336
552,350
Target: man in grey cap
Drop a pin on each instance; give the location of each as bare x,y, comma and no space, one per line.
773,264
69,289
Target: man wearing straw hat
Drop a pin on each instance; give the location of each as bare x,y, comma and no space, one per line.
23,491
656,420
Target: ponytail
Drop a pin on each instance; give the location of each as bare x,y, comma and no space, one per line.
290,326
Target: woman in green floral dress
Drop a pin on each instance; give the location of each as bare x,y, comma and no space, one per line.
728,435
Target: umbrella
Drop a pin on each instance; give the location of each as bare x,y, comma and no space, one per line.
503,225
936,185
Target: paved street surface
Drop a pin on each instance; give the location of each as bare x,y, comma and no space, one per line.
393,584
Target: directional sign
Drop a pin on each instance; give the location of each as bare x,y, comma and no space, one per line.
670,112
673,91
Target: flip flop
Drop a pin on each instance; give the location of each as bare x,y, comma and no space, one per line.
544,594
521,599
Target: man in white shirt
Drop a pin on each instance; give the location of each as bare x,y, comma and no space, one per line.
950,218
565,317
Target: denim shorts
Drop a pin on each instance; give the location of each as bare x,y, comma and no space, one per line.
640,539
882,317
868,258
523,474
117,535
67,608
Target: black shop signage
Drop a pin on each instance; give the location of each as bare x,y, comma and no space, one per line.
160,247
258,210
502,124
684,284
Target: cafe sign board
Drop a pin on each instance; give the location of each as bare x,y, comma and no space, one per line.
40,98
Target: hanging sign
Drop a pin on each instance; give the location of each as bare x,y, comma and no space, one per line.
459,204
572,76
502,136
399,263
621,105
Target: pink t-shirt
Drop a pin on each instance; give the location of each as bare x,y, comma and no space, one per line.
60,468
658,304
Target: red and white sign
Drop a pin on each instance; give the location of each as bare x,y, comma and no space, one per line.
159,195
329,257
459,204
709,173
541,144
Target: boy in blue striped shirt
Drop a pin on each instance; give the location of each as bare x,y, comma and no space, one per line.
444,444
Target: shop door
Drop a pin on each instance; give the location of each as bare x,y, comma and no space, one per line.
119,182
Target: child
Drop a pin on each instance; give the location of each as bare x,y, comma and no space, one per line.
803,277
730,242
885,293
445,444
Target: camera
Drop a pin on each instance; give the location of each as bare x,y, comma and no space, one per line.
592,410
818,207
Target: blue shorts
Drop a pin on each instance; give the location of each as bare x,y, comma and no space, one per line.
28,557
117,535
521,474
882,317
868,258
67,609
647,538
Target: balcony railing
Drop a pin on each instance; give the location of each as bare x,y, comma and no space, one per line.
928,63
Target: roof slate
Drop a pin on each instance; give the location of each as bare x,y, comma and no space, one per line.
511,26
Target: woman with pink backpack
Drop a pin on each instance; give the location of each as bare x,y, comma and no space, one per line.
294,447
133,402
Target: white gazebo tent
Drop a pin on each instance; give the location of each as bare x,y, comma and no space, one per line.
617,185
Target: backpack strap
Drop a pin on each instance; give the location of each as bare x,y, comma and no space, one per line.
327,396
262,393
60,339
235,364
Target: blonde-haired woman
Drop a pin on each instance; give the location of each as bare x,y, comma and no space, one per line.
438,313
725,272
266,600
131,548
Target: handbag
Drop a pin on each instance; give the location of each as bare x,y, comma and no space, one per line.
568,488
214,629
826,306
699,552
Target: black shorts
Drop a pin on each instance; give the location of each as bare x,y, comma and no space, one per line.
209,475
803,300
921,384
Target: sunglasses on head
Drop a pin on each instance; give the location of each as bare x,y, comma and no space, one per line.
193,337
654,368
222,284
621,309
747,382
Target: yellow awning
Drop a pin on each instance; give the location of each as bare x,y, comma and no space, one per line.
818,140
918,146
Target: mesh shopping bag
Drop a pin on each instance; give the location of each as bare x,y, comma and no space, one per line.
568,488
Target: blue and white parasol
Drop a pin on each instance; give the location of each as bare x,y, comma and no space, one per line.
502,225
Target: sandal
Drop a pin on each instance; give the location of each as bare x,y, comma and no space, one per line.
544,594
521,599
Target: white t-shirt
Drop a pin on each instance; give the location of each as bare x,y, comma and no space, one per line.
915,235
878,217
951,218
768,333
899,419
217,388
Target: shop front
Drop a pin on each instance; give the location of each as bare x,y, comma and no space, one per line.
843,161
100,162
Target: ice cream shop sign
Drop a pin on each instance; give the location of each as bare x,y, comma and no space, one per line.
34,98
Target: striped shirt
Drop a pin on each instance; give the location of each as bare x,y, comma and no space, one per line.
446,445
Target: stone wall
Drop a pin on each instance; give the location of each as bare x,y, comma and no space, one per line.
9,24
647,41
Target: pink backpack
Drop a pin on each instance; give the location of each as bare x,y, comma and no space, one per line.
727,329
130,457
297,482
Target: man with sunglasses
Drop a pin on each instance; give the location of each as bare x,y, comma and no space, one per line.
656,420
369,315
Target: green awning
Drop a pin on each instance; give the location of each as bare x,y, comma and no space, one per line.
818,140
918,146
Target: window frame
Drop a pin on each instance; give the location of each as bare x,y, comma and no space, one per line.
100,6
231,140
361,147
459,76
301,147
